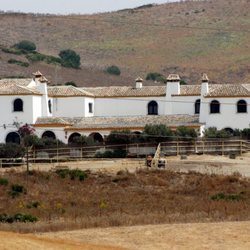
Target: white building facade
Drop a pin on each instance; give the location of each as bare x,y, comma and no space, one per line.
63,111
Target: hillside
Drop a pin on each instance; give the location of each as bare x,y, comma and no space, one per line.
186,38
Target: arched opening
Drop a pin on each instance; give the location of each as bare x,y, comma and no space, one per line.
18,105
49,134
50,106
137,132
96,137
153,108
73,137
214,107
197,106
13,137
241,106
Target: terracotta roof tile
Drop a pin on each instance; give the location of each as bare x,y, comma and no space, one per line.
123,122
67,91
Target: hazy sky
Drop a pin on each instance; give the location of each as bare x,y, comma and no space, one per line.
72,6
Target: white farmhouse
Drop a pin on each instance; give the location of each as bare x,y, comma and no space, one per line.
65,111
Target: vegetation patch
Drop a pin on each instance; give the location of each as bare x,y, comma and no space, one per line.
113,70
17,62
25,218
226,197
16,190
4,182
72,173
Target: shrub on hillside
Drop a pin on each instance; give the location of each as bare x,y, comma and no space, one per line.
70,58
12,51
4,218
4,182
17,62
113,70
16,190
155,76
26,45
71,83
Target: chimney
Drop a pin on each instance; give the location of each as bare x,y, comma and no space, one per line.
173,85
138,83
204,84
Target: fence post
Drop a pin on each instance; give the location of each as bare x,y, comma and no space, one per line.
240,147
203,146
177,147
81,153
137,149
222,147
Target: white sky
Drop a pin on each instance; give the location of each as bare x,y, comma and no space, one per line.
72,6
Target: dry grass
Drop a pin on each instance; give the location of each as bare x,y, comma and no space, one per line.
144,197
119,38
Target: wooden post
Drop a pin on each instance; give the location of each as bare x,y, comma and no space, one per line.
27,159
240,147
222,148
177,147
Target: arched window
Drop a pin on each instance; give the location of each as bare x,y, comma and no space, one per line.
73,138
18,105
214,107
97,137
50,106
49,134
197,106
152,108
13,137
241,106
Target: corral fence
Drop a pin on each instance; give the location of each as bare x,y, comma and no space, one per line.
168,148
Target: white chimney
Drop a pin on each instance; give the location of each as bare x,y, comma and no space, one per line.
204,85
138,83
173,85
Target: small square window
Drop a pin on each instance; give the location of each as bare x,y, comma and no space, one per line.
90,107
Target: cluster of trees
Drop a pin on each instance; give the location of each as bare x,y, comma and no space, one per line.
67,58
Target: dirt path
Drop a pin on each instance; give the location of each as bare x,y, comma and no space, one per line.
228,235
10,241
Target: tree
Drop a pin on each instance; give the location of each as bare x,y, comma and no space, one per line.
70,58
113,70
71,83
26,45
155,76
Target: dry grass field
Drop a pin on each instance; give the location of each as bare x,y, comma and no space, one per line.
188,38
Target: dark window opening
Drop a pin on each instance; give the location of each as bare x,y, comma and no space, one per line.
50,106
241,106
152,108
18,105
197,106
214,107
90,107
49,134
13,137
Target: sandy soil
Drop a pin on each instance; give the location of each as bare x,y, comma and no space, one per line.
228,235
10,241
199,163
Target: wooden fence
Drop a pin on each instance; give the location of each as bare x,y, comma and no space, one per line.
169,148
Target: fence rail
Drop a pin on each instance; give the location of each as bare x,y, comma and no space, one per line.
168,148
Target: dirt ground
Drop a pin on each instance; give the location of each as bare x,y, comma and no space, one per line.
228,235
210,164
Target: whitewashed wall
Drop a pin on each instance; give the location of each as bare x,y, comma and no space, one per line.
127,106
228,116
184,105
71,106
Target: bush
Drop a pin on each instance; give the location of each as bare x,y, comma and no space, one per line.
70,58
158,131
155,76
16,190
117,153
33,204
212,132
227,197
12,51
4,218
4,182
186,133
71,83
11,150
73,174
121,137
17,62
25,45
83,141
113,70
